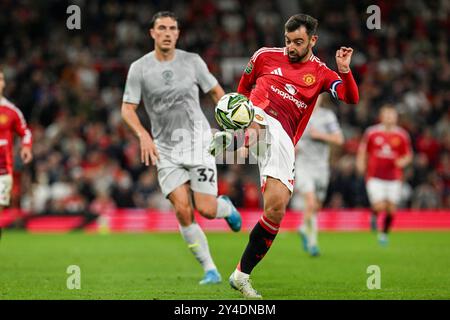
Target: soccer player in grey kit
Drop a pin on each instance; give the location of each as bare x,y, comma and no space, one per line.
313,169
167,80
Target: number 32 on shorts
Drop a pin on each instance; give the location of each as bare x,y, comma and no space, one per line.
206,174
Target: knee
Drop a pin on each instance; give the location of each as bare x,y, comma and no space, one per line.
379,207
275,210
184,213
207,210
311,204
390,208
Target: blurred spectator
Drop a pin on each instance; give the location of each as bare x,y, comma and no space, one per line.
428,145
102,203
426,195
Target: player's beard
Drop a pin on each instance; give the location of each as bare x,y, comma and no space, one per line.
299,56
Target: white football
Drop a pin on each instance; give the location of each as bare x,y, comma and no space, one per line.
234,111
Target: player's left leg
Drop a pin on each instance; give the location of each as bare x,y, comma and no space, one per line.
310,227
313,240
392,196
387,222
321,181
204,186
212,207
276,198
305,187
388,219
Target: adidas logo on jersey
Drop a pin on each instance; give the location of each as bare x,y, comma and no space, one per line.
277,71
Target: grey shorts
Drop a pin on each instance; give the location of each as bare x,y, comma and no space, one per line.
312,180
173,173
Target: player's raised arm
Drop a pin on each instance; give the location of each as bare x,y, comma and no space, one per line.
345,88
343,58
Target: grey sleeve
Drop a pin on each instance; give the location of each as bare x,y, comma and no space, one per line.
204,78
133,88
332,123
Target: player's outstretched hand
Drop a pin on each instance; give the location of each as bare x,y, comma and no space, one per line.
343,58
26,155
149,153
221,140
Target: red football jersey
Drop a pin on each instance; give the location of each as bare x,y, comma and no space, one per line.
383,148
288,90
11,121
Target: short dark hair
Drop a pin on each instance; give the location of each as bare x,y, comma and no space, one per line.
298,20
162,14
388,106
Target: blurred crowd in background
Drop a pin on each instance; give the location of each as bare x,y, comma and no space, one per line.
69,85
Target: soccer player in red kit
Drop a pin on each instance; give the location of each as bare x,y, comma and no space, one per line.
383,153
283,85
11,121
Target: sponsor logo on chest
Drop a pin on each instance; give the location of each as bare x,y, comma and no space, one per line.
290,88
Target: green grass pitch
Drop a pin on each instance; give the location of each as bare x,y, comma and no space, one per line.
415,265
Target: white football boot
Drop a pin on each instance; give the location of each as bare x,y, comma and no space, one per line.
243,284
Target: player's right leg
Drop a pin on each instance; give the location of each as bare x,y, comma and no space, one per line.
192,234
311,224
387,222
276,198
393,195
173,179
277,170
376,194
394,190
305,187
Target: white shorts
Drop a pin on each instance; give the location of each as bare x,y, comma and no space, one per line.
380,190
6,183
174,172
312,180
278,160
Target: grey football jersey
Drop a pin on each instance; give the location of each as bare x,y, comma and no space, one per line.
170,94
312,153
